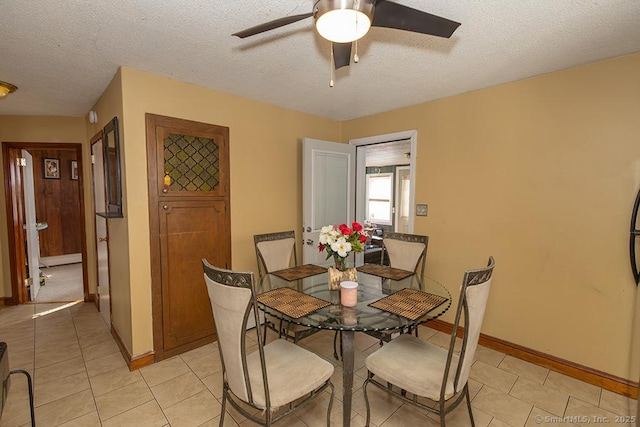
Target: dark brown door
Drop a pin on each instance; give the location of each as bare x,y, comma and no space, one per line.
189,220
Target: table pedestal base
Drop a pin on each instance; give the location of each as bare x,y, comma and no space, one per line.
347,376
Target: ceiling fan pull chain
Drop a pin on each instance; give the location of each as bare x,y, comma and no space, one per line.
356,58
331,62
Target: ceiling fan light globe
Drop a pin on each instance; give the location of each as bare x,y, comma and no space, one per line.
6,88
343,25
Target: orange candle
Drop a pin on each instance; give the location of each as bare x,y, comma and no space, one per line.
349,293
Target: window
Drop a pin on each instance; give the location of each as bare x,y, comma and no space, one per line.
379,197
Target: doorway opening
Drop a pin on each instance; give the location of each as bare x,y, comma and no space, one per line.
46,226
385,180
385,188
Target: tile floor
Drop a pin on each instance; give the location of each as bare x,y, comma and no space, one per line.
81,379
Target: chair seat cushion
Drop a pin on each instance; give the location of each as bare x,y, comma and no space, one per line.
292,372
413,365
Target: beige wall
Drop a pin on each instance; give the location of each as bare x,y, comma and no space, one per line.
265,171
110,105
541,174
32,129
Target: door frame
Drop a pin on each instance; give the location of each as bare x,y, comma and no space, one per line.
412,135
13,192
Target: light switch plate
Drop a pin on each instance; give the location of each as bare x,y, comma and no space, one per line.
421,210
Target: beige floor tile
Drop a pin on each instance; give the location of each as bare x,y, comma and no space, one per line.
444,340
165,370
489,356
500,405
113,380
105,364
66,409
89,420
586,414
214,384
314,413
539,417
524,369
474,387
59,370
146,415
203,361
97,338
177,389
16,411
100,350
408,415
290,420
426,332
459,417
617,403
123,399
215,422
494,377
382,404
497,423
46,358
573,387
543,397
46,392
193,411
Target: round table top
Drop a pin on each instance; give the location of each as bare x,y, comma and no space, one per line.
362,317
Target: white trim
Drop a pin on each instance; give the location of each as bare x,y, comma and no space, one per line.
360,169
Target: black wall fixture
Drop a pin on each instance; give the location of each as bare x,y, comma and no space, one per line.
635,233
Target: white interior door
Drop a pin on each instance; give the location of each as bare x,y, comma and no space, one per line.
102,249
328,192
33,243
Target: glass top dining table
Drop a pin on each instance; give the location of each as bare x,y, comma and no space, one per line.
360,318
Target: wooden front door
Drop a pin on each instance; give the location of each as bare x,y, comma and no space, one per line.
189,220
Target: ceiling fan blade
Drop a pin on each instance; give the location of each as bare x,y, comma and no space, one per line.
393,15
271,25
341,54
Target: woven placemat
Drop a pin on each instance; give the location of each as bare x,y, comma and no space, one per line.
409,303
385,272
299,272
291,302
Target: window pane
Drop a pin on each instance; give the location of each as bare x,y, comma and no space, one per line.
380,187
379,211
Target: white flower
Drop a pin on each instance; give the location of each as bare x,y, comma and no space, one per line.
341,246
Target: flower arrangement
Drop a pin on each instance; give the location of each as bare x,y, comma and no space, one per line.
340,240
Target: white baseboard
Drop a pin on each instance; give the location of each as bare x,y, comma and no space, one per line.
50,261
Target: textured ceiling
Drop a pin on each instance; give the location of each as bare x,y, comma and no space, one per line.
63,53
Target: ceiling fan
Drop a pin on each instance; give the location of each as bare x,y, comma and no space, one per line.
345,21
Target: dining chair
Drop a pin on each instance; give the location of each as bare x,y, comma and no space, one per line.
410,365
278,375
406,252
276,251
5,377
